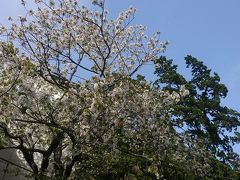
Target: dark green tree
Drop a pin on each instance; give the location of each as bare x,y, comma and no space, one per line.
201,113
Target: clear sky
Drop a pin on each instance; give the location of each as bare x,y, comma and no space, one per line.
208,30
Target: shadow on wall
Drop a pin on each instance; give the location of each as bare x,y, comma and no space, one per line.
9,169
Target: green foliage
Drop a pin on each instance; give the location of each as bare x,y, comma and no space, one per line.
201,113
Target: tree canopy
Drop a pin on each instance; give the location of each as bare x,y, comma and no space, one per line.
73,106
201,113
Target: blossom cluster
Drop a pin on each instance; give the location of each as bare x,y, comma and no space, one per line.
44,101
75,40
99,114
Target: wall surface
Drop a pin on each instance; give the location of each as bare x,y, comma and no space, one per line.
7,170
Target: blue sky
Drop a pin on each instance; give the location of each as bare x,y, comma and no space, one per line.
208,30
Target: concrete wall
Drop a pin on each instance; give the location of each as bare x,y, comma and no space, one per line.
9,171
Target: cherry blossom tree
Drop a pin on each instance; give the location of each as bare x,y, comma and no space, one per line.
71,105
